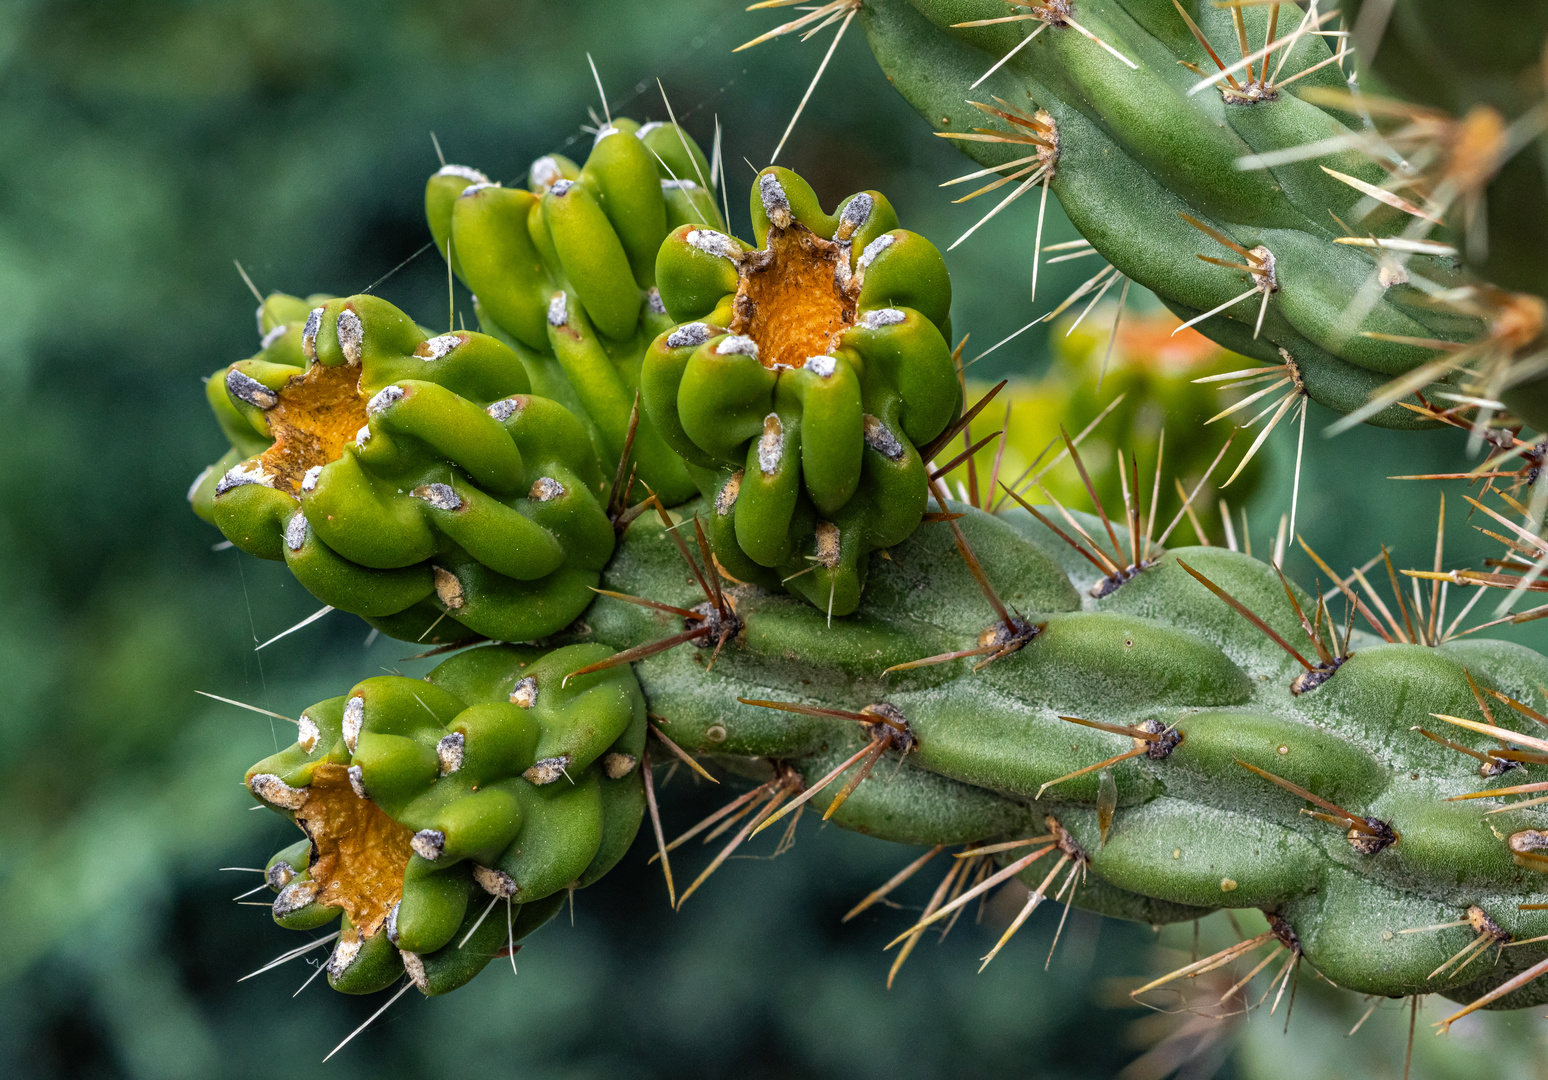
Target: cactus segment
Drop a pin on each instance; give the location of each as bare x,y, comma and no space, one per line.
410,480
497,777
806,382
565,273
1152,749
1198,191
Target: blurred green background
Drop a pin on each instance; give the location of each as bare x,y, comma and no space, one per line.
144,146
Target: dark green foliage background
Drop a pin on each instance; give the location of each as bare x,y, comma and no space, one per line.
144,146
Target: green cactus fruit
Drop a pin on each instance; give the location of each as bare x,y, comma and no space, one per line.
565,273
495,777
1202,193
410,480
806,381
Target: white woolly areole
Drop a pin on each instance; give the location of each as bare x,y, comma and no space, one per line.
560,188
351,335
856,213
244,387
474,189
309,478
494,882
545,489
618,766
713,243
274,791
354,717
694,333
504,409
415,968
653,301
344,954
876,247
448,589
821,366
646,129
558,310
309,333
273,335
775,203
545,172
258,318
449,751
725,498
295,896
438,347
295,531
307,733
524,693
428,843
357,781
887,316
771,445
248,472
279,875
362,436
547,770
384,398
679,185
440,496
603,132
882,440
470,174
737,345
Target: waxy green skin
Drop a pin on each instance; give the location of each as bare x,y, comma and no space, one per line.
565,273
464,506
823,449
562,831
1135,152
1194,832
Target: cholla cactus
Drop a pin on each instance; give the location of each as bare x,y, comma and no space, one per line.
1149,732
1254,195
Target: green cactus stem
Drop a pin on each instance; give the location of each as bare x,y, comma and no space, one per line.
806,381
1240,193
1157,737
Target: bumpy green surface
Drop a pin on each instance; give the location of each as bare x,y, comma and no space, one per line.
1135,152
490,778
410,480
1194,831
802,379
565,273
